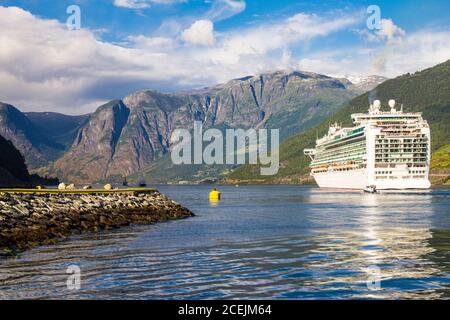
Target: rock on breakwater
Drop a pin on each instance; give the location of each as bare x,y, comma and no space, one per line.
31,219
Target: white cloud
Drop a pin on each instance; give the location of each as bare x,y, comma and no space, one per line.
224,9
200,32
152,43
260,40
132,4
286,58
416,51
43,66
142,4
388,32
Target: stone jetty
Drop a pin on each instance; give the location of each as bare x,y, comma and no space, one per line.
30,217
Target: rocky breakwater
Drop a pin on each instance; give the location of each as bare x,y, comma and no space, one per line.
31,219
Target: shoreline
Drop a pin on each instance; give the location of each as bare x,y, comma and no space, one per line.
31,217
437,179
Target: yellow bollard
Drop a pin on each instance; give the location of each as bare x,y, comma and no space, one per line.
214,195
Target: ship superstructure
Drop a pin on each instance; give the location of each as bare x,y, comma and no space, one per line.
385,149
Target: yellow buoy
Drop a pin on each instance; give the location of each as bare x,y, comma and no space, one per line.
214,195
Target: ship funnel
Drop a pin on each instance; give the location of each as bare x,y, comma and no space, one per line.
392,105
376,105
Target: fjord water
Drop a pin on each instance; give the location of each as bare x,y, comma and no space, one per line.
259,242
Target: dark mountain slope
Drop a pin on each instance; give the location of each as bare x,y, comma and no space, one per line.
13,171
60,128
36,147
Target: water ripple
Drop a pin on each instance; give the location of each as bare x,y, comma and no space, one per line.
308,251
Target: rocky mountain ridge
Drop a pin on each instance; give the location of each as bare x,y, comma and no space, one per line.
123,137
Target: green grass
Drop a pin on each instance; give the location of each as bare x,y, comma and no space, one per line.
441,159
91,191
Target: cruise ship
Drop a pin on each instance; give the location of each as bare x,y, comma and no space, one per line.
384,150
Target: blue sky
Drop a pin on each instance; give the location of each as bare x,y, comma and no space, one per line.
411,15
170,45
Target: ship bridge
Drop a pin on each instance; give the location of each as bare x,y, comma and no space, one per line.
393,115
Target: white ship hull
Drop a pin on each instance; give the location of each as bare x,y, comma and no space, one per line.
358,180
404,184
355,179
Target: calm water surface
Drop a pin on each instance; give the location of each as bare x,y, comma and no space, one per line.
260,242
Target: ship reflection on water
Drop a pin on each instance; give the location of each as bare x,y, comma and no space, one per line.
384,248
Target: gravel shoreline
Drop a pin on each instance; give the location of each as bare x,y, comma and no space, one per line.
32,219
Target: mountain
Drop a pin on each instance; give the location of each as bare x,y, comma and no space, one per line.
125,137
58,127
13,171
36,146
362,84
41,137
95,144
427,91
